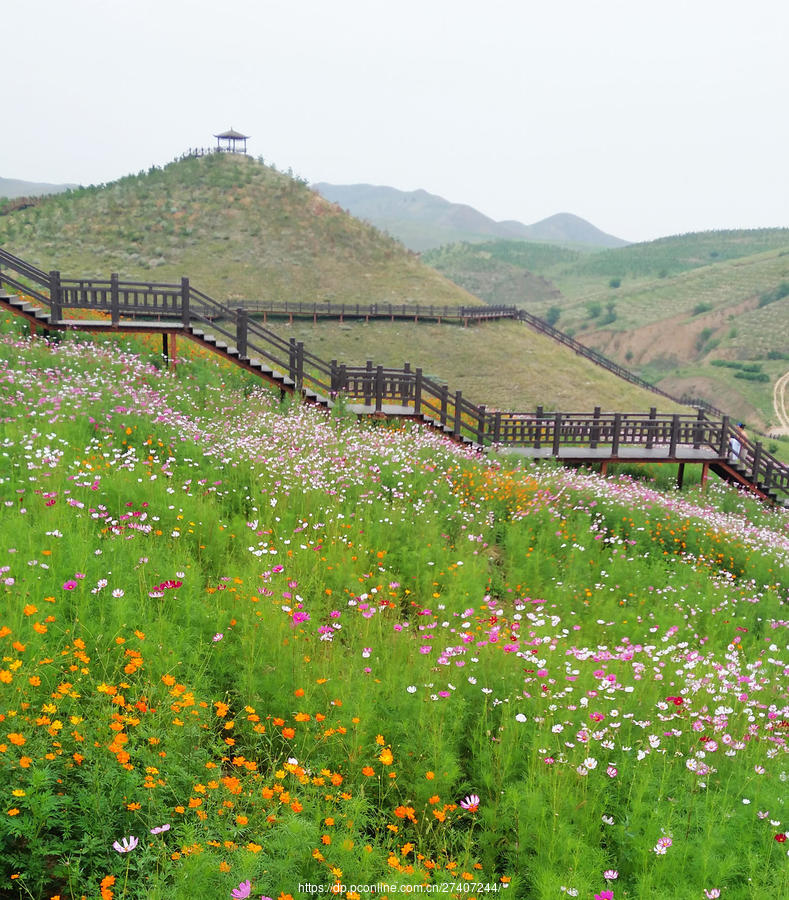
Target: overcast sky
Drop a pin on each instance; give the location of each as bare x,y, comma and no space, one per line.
646,117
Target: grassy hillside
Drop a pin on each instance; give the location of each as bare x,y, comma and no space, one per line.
237,228
249,647
240,229
504,365
667,309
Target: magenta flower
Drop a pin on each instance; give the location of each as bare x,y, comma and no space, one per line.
126,845
69,585
604,895
218,637
243,890
470,803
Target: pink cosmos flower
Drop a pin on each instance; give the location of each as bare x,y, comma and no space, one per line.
604,895
470,803
243,890
662,846
160,829
69,585
126,845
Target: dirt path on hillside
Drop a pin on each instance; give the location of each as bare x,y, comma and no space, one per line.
779,404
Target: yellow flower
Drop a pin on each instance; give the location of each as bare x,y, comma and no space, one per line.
386,757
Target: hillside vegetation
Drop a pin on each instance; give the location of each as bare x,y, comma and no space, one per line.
237,228
504,365
249,646
671,310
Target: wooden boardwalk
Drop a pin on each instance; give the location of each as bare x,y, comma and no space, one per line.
174,310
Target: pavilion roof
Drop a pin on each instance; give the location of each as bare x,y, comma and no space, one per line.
232,135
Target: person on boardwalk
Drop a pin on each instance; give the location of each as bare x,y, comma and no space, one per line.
735,443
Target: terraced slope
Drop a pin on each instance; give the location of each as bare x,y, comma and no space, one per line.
676,311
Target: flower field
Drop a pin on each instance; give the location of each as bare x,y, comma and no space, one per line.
251,649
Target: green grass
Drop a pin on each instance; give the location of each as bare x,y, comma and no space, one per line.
305,644
237,228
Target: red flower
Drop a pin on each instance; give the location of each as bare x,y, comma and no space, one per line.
780,837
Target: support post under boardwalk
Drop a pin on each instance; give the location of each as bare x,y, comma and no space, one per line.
680,475
705,469
169,348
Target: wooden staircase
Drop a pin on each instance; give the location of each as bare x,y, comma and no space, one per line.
180,310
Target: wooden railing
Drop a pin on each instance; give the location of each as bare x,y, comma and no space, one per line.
402,392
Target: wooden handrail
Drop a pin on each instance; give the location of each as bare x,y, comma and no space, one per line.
393,391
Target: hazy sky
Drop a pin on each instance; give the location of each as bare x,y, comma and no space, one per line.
646,117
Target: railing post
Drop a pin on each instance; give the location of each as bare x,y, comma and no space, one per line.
697,429
595,434
55,297
497,427
616,435
444,399
757,461
292,359
115,299
672,448
299,364
538,442
723,449
185,301
241,332
418,392
651,427
481,416
368,383
405,384
458,414
334,376
557,430
379,388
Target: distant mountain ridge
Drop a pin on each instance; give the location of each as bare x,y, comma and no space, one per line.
14,187
423,221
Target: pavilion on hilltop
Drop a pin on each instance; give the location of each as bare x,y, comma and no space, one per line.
230,142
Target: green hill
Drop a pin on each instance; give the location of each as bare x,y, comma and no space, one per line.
671,309
241,230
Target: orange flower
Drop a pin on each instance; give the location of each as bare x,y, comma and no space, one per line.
368,771
17,739
386,757
30,609
288,733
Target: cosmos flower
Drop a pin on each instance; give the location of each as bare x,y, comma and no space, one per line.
470,803
126,845
243,890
